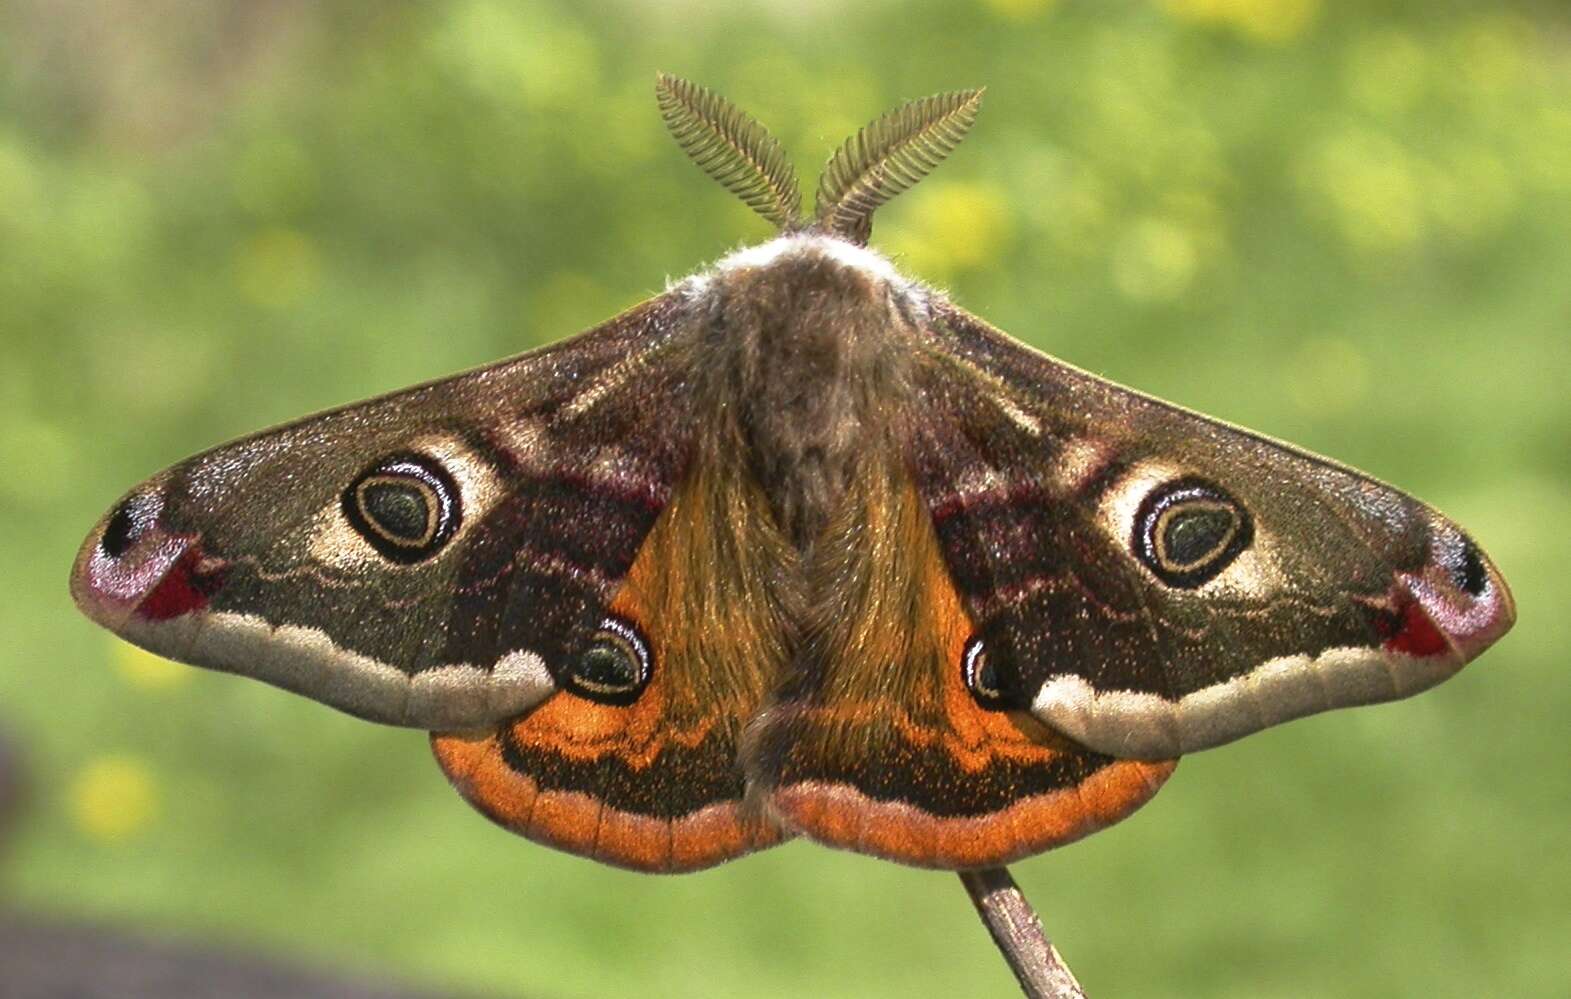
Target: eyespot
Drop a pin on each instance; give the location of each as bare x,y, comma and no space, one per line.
1462,560
1189,530
405,505
1473,578
981,676
129,523
616,666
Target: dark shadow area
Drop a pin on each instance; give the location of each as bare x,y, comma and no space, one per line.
41,960
44,959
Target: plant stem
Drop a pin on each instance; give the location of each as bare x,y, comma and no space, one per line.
1017,931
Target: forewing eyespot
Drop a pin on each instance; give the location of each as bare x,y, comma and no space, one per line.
406,506
616,666
129,523
1463,562
1187,531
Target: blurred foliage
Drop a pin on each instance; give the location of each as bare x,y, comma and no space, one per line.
1344,224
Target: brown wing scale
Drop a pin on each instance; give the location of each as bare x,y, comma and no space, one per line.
654,785
886,751
1044,482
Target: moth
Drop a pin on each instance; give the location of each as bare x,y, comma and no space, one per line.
797,547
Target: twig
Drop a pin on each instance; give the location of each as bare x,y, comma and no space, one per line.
10,789
1018,933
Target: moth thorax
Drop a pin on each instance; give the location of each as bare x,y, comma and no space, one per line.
812,346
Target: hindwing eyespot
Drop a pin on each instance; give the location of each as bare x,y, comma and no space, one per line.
616,666
980,676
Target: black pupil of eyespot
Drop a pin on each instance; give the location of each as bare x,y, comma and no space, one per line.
403,511
1472,577
129,523
1192,536
986,677
608,665
118,532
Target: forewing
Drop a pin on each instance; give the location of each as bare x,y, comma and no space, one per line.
540,477
532,560
1149,582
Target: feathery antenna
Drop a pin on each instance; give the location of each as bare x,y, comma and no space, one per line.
888,156
732,147
877,163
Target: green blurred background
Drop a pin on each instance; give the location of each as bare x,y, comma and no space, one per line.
1342,224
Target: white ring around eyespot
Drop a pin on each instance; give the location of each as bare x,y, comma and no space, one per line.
335,542
974,651
625,631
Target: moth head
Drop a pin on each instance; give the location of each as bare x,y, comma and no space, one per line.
320,557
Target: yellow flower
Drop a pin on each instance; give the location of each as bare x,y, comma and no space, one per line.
1261,20
1020,10
1369,186
114,798
1329,375
953,226
276,268
1155,261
